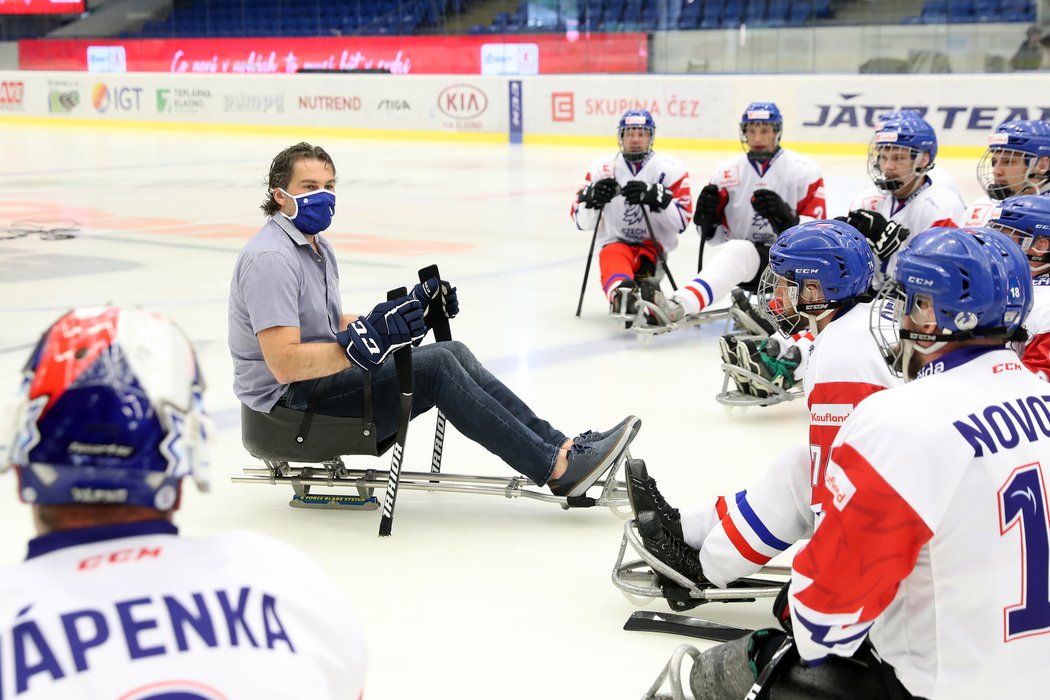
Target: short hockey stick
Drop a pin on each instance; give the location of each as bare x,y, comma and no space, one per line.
590,254
437,320
659,250
403,364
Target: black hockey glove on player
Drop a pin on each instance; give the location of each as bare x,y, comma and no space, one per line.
369,340
885,237
706,214
656,196
781,608
775,210
599,193
425,292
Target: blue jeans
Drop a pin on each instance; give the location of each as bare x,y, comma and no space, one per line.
446,375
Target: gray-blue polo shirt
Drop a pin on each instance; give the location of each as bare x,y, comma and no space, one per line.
279,281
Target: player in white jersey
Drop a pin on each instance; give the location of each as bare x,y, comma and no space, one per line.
906,199
1017,162
750,200
818,275
914,584
1026,219
111,602
613,196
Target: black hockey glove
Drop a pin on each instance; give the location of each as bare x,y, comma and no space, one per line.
706,214
656,195
781,608
775,210
368,341
599,193
433,288
885,237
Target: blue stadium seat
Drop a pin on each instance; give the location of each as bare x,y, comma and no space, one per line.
755,11
689,17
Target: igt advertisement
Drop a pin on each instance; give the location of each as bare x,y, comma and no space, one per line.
464,55
41,7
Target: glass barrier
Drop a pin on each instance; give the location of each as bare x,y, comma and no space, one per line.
520,37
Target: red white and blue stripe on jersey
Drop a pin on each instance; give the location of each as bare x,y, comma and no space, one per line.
746,531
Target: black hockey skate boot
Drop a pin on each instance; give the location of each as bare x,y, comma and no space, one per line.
645,497
618,306
761,358
727,346
750,317
669,549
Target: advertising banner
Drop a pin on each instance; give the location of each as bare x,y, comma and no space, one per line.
41,7
523,54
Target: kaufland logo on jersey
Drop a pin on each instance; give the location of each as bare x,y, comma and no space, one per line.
839,486
829,413
854,110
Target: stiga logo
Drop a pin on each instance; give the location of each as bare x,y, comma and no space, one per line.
830,413
117,99
462,101
394,106
11,94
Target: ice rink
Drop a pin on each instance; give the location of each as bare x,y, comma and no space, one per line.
474,596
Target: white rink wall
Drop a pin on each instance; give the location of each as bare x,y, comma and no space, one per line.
829,113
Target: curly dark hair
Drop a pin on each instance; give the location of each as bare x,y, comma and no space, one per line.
281,170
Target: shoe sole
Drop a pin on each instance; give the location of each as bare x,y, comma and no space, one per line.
627,435
729,357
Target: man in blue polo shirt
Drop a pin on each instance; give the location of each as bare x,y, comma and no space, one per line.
292,345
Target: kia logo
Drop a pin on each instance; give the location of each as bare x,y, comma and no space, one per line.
462,101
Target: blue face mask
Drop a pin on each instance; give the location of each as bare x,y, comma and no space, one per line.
313,211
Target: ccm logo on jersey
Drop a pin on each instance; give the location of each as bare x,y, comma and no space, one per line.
119,556
839,485
1006,367
829,413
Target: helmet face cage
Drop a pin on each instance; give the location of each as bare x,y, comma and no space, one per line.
1018,177
1026,220
899,130
793,304
880,150
761,113
110,413
885,321
636,119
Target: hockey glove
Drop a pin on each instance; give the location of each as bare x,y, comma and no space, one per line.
656,196
782,609
706,215
885,237
773,209
433,288
599,193
391,325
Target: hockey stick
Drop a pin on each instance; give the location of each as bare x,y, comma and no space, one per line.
437,320
590,254
669,623
700,259
403,364
659,250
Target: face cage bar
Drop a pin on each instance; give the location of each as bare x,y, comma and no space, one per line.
1001,190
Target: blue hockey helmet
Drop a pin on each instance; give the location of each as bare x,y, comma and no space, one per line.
636,119
963,281
1026,219
815,268
1017,160
109,412
904,129
761,113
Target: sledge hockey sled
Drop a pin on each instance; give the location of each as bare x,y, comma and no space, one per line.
644,579
732,396
305,450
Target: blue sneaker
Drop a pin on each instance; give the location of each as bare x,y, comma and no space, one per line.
589,460
594,435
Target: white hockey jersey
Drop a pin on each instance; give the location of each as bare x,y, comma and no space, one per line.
935,538
135,611
978,213
738,537
793,176
1036,352
624,222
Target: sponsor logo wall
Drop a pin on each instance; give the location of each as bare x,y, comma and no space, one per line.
828,109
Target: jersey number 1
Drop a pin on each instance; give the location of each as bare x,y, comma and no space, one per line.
1022,501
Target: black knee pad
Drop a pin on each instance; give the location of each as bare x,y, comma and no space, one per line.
751,286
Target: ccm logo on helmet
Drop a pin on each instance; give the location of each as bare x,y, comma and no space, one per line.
919,280
806,271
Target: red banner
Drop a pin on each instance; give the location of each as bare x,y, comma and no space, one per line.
487,54
41,7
